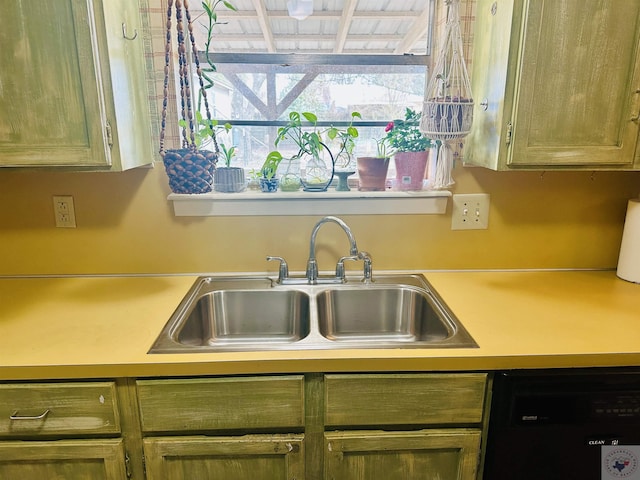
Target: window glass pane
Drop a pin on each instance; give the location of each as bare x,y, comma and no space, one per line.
258,97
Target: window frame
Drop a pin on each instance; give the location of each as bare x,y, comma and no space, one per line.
312,203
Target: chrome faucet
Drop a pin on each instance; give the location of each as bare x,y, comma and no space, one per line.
311,277
312,264
368,267
283,270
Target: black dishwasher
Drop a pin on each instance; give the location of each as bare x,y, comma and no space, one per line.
564,424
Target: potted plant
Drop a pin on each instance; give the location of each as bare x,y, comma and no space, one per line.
310,148
268,180
311,144
191,168
253,179
411,150
372,171
229,179
290,180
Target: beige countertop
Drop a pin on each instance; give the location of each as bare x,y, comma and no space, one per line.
96,327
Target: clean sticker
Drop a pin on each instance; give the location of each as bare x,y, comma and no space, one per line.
620,461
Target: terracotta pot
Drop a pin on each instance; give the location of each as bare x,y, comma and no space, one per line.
372,173
411,169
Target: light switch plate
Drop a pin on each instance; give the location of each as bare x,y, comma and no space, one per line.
470,211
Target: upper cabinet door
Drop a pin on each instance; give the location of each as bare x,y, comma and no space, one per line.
50,99
57,101
556,84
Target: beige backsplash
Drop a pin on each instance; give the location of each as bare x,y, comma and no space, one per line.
126,225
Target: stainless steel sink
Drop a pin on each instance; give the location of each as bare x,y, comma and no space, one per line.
256,313
231,317
382,314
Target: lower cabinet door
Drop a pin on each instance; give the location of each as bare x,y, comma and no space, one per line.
250,457
416,455
63,459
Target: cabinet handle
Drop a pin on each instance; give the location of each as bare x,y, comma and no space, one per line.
42,416
124,33
635,118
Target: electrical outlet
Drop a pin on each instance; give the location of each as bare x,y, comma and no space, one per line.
64,211
470,211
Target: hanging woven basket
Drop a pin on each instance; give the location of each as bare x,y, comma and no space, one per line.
447,112
190,170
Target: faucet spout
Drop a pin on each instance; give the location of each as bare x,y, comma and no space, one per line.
312,264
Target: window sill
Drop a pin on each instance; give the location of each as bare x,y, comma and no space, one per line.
307,203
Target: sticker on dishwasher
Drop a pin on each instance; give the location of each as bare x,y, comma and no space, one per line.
620,462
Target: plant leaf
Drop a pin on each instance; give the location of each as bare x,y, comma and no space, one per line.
229,6
294,117
310,117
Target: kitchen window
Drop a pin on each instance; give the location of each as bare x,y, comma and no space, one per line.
256,92
372,60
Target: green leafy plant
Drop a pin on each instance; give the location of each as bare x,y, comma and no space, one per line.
270,165
302,129
404,135
381,148
254,174
346,137
209,7
312,141
228,154
309,142
204,130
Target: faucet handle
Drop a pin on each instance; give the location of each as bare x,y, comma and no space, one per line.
340,272
368,267
283,271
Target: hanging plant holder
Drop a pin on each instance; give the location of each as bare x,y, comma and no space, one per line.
190,169
447,113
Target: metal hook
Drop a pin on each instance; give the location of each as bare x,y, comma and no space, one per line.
593,176
542,174
124,33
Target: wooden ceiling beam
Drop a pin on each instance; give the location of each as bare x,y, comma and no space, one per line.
265,25
345,23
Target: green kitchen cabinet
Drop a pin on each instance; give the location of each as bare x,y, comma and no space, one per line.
74,87
247,457
242,418
72,459
57,430
418,455
432,426
313,426
556,85
247,427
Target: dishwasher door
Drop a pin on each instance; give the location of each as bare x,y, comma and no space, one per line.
554,424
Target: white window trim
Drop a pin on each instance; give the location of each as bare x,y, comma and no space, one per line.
330,202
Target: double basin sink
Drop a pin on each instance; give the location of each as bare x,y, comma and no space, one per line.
257,313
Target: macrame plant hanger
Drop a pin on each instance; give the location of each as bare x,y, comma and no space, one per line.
190,170
447,112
